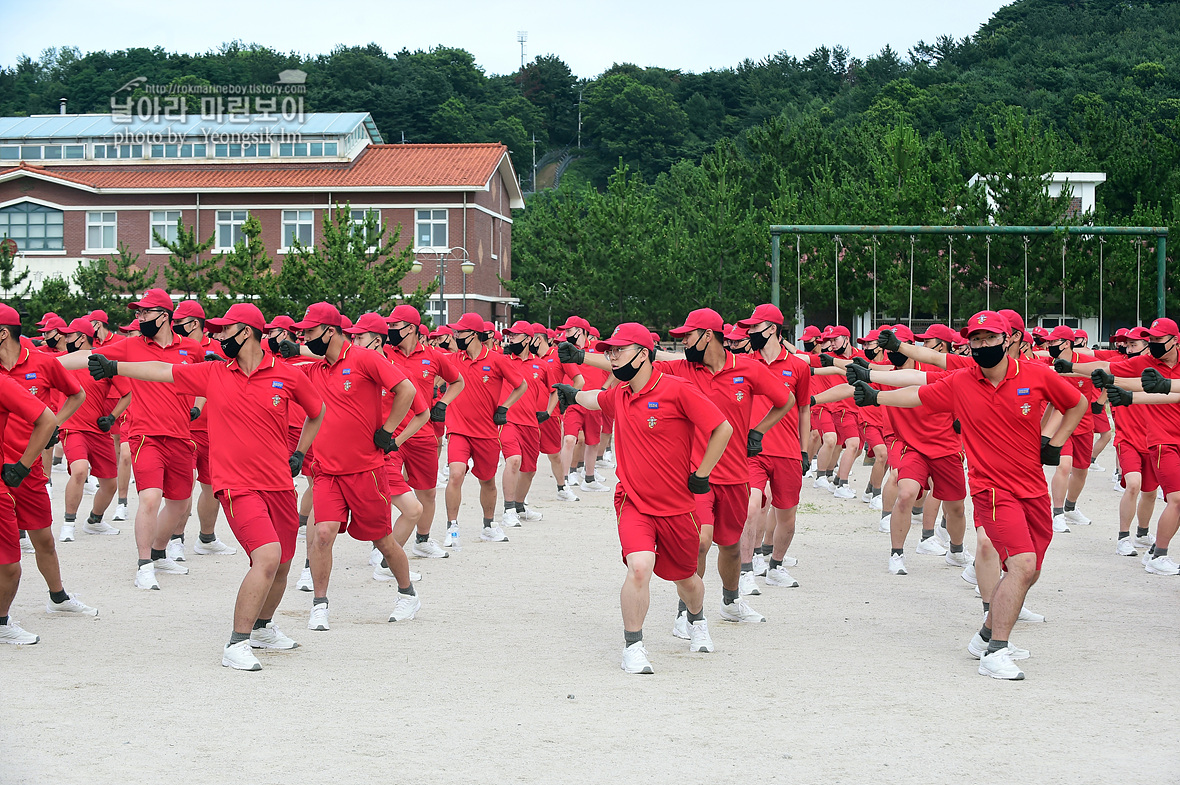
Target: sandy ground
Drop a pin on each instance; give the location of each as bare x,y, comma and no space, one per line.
511,671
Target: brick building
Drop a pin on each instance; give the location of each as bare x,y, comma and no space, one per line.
72,188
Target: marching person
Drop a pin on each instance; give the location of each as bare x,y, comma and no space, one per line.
583,428
551,429
520,439
1070,478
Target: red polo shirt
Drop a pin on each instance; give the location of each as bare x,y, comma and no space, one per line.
655,433
1002,425
352,387
923,429
483,379
1162,421
536,374
42,376
157,409
99,396
782,441
423,366
247,416
209,346
15,400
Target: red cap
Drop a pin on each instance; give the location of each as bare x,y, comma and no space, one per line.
441,331
469,321
836,330
238,313
1040,332
130,328
1061,332
594,331
520,327
369,323
98,316
189,308
937,332
1119,335
53,322
1163,327
44,318
80,325
1081,334
1138,334
655,338
539,329
405,313
736,333
811,332
154,298
488,327
1026,337
575,321
1015,320
345,322
988,321
317,314
281,322
763,313
700,319
629,333
871,336
903,333
8,315
422,331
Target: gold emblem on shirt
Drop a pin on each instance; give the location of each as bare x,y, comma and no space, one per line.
651,422
1025,409
348,386
275,400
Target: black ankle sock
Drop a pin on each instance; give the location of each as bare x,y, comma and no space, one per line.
631,638
261,623
581,465
916,511
1124,535
489,523
956,548
560,487
509,506
421,537
520,508
3,621
123,500
59,596
302,520
995,645
774,563
94,518
897,551
766,550
178,537
206,538
729,597
590,476
927,534
157,555
985,632
695,617
319,601
886,513
987,606
384,564
144,561
307,563
681,608
1069,506
1160,552
408,591
1140,531
1058,511
71,517
747,566
875,491
238,637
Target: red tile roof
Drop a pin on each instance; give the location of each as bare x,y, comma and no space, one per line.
378,166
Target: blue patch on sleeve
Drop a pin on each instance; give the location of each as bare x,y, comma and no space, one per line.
277,384
653,404
1023,391
30,376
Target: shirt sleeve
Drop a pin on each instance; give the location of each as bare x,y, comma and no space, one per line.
938,396
382,370
1060,393
764,383
802,385
304,394
507,371
60,378
120,386
607,401
446,368
699,409
955,362
18,401
1127,369
192,379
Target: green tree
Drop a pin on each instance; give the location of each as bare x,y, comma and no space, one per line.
640,125
13,282
186,271
247,272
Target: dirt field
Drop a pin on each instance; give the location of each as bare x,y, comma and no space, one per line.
511,671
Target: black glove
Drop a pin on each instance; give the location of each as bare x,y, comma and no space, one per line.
568,353
193,413
863,394
542,417
1062,366
1155,382
888,341
813,400
438,412
958,426
567,396
102,368
1050,455
855,372
1101,378
54,438
500,416
753,443
214,357
1096,407
288,349
14,474
105,423
826,360
295,462
805,461
696,483
1118,396
384,441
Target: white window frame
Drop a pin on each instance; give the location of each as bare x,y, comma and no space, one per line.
360,220
102,220
296,222
226,218
165,226
47,217
493,240
433,221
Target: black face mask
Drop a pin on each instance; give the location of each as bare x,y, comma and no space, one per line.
535,348
809,346
627,372
232,347
988,356
515,349
1130,353
759,340
273,344
1121,349
897,358
397,336
318,346
463,342
74,347
149,328
1055,351
187,333
694,354
1158,350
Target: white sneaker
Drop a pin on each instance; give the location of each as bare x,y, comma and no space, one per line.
739,611
375,558
120,512
493,534
609,457
884,526
406,608
14,634
302,536
169,567
780,577
174,550
823,483
511,520
698,636
603,464
319,617
145,577
239,657
875,503
271,637
1059,524
1147,556
102,527
71,605
866,497
67,533
567,495
530,515
747,585
812,472
999,665
429,550
91,486
960,559
897,564
969,575
790,561
26,545
977,648
942,536
760,564
1125,548
1027,615
930,547
1162,565
452,538
215,548
635,659
1075,516
680,626
573,480
595,487
1094,467
1144,542
844,492
304,582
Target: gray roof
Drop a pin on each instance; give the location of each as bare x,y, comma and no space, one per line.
99,126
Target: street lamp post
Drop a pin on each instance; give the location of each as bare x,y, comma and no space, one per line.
549,290
443,255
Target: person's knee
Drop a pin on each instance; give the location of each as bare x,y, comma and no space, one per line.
265,559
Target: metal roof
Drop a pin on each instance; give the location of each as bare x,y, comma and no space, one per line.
99,126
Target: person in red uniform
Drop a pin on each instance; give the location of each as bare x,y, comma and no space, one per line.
247,403
17,406
103,335
1070,478
998,405
88,447
670,438
162,453
551,429
474,421
520,439
583,428
425,366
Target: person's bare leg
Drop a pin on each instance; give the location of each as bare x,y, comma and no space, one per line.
899,524
1146,508
319,554
207,509
394,558
1060,481
1165,528
173,514
784,532
635,596
1100,444
703,545
523,485
124,472
751,534
10,582
487,497
1077,482
76,485
147,516
47,562
1009,594
1130,501
729,566
409,514
454,492
956,520
428,499
257,587
510,478
987,565
851,448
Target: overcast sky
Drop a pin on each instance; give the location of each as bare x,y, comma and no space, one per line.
589,36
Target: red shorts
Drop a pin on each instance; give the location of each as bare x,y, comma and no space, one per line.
420,461
783,475
578,419
396,482
33,509
1080,447
725,508
358,502
1165,462
675,540
293,435
1131,461
825,423
260,517
847,425
817,414
946,472
97,449
1015,525
201,442
1101,422
523,441
9,531
608,422
896,447
871,436
484,454
439,429
551,435
164,462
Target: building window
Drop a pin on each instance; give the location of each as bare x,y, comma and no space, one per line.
118,151
305,149
493,240
358,218
229,227
297,227
164,223
100,231
431,228
34,227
